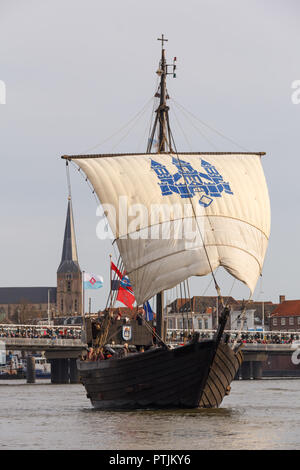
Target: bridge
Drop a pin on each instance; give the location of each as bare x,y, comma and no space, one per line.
270,360
49,345
61,344
265,352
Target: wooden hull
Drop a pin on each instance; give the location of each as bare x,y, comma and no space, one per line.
160,378
223,371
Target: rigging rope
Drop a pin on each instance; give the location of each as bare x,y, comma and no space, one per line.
68,179
203,244
97,202
153,109
187,314
86,180
119,130
189,294
112,293
155,334
230,292
95,196
200,132
133,124
210,127
121,268
181,128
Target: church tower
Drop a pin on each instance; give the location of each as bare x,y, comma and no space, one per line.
69,276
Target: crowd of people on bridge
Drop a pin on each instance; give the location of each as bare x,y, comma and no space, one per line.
35,332
248,338
72,333
266,339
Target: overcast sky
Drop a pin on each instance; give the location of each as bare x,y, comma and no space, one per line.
77,71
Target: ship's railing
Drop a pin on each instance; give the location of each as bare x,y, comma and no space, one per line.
40,331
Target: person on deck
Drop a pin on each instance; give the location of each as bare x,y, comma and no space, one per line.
126,349
100,355
90,354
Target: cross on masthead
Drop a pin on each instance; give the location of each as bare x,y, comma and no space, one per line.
162,39
161,122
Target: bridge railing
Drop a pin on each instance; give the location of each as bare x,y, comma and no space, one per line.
268,337
40,331
269,346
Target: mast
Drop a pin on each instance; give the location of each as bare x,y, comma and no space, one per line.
162,125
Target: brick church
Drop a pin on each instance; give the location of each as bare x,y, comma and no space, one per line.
22,304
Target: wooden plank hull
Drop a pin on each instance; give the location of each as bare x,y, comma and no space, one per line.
224,368
160,378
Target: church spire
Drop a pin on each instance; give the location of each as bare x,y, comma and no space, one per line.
69,277
69,259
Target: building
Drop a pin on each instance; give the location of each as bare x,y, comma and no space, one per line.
23,304
199,312
27,304
262,312
69,276
244,322
202,312
286,316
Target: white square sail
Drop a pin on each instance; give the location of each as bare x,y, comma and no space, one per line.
171,212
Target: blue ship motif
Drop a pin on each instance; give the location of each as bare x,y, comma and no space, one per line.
187,182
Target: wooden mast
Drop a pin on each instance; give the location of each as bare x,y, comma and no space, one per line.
162,125
161,122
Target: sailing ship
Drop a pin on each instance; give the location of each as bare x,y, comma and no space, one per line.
224,197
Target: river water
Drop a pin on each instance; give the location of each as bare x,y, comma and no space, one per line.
258,415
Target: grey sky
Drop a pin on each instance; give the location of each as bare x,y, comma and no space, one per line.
76,71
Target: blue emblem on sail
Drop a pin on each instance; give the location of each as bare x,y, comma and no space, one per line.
187,182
